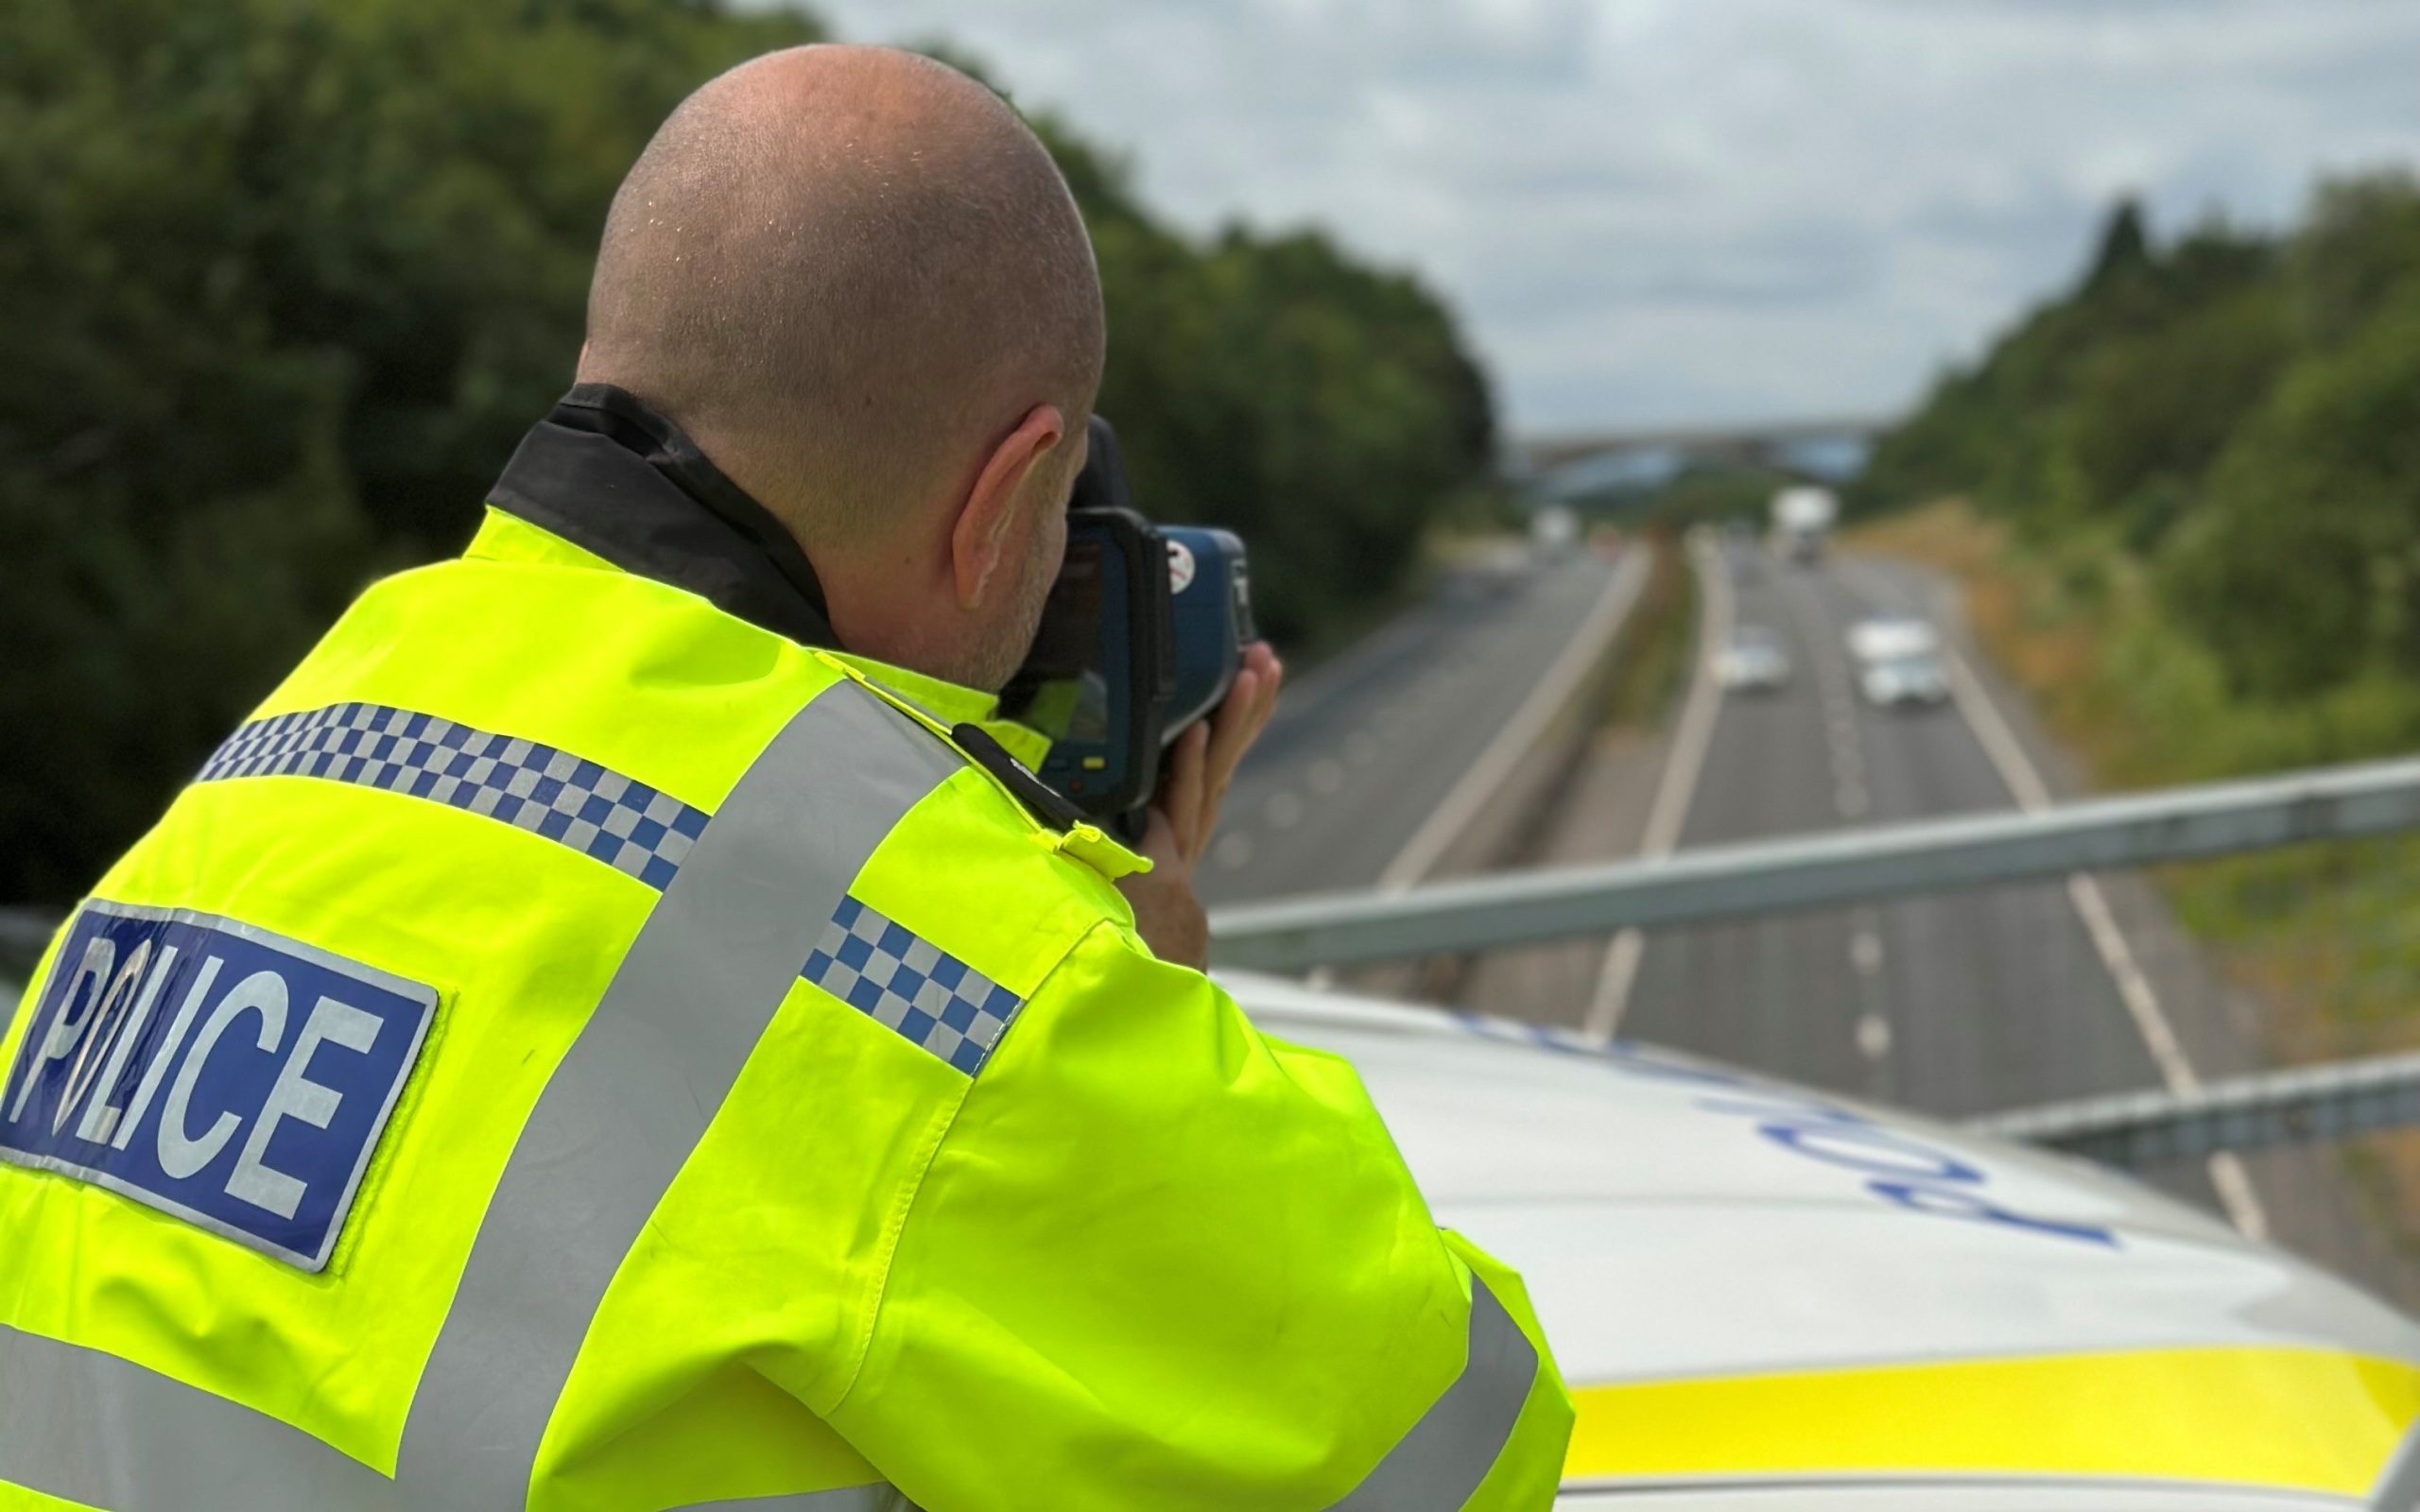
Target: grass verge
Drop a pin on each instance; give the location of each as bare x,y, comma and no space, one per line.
1653,670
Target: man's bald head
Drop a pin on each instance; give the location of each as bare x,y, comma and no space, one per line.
847,271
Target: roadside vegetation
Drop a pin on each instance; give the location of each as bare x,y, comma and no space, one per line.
2183,502
1659,645
285,280
2205,462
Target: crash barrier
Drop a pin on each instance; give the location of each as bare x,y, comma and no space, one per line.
2245,1114
1815,871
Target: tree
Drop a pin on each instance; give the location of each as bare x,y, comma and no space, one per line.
2125,247
2308,568
285,280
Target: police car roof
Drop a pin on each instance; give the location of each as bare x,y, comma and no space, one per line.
1721,1260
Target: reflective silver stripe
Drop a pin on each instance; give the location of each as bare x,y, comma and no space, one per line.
614,1126
92,1428
1437,1466
635,1093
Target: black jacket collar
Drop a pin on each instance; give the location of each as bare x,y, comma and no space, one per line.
614,477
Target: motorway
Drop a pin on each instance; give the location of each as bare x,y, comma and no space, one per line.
1365,750
1954,1005
1957,1003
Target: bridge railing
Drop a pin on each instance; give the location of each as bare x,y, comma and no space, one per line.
1820,870
2178,941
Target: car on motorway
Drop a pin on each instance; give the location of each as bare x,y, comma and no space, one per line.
1880,637
1770,1299
1752,660
1914,679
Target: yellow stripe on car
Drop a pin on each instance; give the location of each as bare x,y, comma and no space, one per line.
2298,1419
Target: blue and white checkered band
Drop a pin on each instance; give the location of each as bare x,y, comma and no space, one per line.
626,824
908,984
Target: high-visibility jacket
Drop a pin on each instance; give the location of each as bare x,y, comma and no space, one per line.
577,1048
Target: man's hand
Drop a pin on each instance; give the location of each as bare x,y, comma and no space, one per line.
1185,810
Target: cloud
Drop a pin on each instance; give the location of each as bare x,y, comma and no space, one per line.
1654,212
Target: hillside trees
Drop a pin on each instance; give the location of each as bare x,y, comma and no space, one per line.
285,280
2240,414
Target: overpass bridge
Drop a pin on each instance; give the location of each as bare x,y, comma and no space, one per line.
1827,447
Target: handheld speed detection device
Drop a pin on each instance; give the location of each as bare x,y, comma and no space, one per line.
1141,637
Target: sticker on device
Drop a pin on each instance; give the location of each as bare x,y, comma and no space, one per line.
221,1073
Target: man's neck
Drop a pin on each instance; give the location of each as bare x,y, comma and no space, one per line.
615,479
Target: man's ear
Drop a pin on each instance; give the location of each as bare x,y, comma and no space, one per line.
987,522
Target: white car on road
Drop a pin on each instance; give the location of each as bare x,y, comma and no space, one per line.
1912,680
1752,662
1882,637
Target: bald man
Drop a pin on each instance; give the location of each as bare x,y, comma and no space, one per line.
618,1029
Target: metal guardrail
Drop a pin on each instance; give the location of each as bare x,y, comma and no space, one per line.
1723,881
2259,1112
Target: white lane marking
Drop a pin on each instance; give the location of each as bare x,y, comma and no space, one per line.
1999,742
1674,790
1284,811
2227,1176
1874,1035
1462,801
1865,951
1326,775
1233,850
2237,1196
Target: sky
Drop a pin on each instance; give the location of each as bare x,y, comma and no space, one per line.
1652,212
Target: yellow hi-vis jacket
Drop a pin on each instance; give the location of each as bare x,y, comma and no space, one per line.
576,1049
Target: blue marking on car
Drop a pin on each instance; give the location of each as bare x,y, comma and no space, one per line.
1896,1167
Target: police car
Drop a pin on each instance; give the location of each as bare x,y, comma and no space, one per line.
1768,1299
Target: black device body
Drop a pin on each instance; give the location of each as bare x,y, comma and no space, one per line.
1142,635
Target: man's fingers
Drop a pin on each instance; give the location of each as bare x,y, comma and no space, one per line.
1182,797
1231,727
1245,711
1241,719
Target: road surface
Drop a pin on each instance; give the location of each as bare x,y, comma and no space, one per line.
1960,1003
1365,750
1968,1002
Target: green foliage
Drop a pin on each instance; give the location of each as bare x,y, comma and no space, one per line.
2303,567
2125,247
2240,415
1326,413
1717,493
285,280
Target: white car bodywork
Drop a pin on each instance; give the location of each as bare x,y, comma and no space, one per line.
1916,678
1806,507
1754,659
1772,1299
1884,636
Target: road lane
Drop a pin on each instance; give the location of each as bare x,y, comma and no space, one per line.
1954,1005
1364,751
